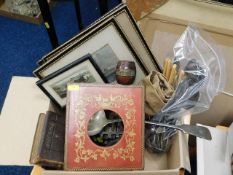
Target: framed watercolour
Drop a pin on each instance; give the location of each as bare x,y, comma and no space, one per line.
83,101
126,27
83,70
107,45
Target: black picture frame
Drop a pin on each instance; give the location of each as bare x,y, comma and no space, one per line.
94,28
98,22
52,90
62,57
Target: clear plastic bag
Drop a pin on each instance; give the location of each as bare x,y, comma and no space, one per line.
201,76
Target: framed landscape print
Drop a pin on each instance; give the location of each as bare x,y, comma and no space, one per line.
107,45
83,70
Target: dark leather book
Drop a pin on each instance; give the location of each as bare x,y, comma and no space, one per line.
48,144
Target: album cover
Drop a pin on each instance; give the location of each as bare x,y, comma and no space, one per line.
104,127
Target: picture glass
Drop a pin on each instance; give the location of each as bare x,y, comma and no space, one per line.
81,73
82,76
107,60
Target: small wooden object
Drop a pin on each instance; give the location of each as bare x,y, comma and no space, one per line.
125,72
172,75
165,66
169,71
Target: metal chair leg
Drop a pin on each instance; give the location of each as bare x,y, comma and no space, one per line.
103,6
78,14
48,22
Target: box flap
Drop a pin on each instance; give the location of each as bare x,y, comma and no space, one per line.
211,154
187,11
229,150
183,144
184,158
230,139
141,8
23,103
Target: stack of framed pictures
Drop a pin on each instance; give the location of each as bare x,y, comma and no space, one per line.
92,55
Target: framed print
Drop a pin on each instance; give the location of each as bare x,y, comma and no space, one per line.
126,24
82,33
107,45
83,70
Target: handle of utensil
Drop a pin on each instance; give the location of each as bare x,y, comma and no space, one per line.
115,121
197,131
162,124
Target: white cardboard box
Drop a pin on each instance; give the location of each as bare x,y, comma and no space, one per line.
214,156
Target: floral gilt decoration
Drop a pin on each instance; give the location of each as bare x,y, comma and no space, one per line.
126,103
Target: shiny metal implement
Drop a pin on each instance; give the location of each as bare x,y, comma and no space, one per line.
198,131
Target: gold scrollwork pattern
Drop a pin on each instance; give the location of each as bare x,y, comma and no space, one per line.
126,103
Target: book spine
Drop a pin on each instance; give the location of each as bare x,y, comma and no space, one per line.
66,126
35,152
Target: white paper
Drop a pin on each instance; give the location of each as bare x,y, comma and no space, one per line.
19,116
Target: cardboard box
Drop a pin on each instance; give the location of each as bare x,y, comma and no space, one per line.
215,157
164,26
172,163
141,8
19,116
